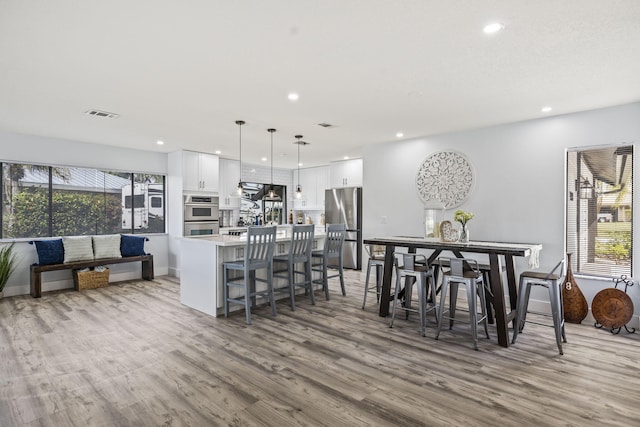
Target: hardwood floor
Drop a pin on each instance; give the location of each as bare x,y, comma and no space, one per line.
132,355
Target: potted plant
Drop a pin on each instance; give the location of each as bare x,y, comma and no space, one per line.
7,265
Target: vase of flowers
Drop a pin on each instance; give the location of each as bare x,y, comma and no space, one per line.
463,218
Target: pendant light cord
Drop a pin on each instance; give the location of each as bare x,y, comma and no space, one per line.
271,131
240,123
298,163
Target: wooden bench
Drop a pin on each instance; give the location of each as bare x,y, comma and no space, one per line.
37,269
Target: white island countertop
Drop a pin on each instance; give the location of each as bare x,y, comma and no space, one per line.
283,235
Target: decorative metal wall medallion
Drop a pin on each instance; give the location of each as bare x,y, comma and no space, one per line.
445,178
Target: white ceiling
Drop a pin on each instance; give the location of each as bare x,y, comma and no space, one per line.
184,71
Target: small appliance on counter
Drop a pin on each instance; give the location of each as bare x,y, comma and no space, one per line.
201,215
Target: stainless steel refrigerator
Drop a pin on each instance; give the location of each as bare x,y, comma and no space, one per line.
344,206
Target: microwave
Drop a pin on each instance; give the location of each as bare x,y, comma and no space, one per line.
201,228
201,208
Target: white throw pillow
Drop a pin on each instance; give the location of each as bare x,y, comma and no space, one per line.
77,248
106,246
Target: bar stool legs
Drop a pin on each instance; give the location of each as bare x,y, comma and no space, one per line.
472,279
376,259
553,283
422,276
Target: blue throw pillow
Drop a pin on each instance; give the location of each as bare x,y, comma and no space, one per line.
50,251
132,245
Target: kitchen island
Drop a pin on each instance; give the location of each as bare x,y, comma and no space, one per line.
201,261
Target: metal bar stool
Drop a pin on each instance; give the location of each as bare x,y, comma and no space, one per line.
299,254
376,260
258,255
553,283
415,270
463,271
486,273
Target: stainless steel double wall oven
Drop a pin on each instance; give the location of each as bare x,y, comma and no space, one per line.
201,215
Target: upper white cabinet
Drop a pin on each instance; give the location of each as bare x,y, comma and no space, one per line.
314,182
200,172
347,173
229,177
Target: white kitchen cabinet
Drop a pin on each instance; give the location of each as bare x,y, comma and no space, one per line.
314,182
200,172
229,177
346,173
322,184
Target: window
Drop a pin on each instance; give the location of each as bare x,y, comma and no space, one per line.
42,201
138,201
86,201
156,202
599,215
25,200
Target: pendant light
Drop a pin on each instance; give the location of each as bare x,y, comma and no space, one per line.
240,188
299,187
272,192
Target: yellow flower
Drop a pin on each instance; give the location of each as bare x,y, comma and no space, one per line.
462,217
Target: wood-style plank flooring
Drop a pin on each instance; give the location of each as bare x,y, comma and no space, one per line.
132,355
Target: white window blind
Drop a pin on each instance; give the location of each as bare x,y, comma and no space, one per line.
599,213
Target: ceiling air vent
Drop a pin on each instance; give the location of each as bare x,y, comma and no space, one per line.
325,125
105,114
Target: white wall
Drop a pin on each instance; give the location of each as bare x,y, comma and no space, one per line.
519,192
51,151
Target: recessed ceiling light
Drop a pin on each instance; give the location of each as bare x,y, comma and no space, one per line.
493,28
346,157
218,152
399,135
293,96
300,164
264,159
546,109
160,142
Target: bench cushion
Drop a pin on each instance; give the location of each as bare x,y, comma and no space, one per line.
77,248
49,251
106,246
132,245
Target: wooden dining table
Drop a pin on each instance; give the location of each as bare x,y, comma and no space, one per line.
501,257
